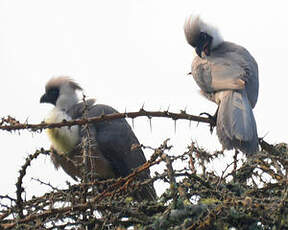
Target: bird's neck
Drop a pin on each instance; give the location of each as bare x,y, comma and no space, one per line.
65,102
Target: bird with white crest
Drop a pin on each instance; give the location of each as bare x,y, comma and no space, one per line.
111,143
227,74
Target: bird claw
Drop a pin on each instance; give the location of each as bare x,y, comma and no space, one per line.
212,119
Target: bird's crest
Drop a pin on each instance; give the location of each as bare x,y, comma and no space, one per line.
57,82
194,25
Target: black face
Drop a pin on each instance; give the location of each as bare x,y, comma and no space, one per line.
50,96
204,44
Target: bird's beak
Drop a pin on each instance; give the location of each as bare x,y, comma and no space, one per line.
198,51
44,99
205,47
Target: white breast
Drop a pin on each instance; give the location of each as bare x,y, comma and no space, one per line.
63,139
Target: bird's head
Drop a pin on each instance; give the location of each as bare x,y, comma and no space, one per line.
201,36
61,92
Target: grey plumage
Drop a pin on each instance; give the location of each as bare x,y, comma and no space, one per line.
111,153
228,75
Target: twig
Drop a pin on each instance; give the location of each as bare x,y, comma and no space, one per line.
19,188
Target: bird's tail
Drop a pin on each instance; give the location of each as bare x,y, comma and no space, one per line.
236,125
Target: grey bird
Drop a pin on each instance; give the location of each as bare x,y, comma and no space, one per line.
227,74
111,152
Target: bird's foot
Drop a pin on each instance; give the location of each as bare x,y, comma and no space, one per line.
212,119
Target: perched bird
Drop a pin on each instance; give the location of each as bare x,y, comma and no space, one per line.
227,74
110,153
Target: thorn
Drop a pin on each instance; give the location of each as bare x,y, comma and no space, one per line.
167,111
26,121
142,108
150,123
175,126
83,96
183,111
265,135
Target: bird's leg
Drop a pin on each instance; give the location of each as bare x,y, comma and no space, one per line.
212,118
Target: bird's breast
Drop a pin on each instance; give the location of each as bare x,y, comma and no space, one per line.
219,96
63,139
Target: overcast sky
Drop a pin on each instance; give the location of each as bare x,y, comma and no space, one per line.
126,54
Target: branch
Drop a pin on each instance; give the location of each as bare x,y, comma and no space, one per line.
141,113
22,172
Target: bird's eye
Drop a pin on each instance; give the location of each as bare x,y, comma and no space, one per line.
53,91
203,36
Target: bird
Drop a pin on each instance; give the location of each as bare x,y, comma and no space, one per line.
227,74
111,143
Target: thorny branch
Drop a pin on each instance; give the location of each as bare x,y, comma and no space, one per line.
11,124
19,188
249,193
197,199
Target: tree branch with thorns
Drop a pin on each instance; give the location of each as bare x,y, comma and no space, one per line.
250,193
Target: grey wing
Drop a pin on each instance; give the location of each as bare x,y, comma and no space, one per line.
215,74
114,141
230,67
114,138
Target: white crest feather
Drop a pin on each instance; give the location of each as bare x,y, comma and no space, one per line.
62,80
194,25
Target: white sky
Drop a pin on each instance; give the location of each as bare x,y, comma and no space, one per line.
126,53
